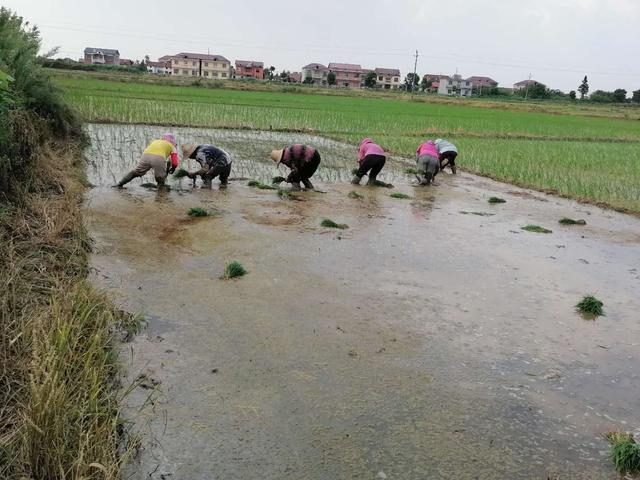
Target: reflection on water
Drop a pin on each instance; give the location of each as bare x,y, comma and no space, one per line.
115,149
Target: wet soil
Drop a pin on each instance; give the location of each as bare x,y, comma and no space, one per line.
422,342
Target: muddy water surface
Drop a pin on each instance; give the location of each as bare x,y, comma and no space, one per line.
422,342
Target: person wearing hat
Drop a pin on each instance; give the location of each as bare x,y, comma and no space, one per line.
371,159
213,161
160,155
303,160
447,152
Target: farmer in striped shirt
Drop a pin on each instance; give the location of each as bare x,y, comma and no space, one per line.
303,160
213,161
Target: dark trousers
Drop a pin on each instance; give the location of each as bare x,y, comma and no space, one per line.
223,172
448,159
306,171
372,164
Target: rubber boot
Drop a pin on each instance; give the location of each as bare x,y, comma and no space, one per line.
126,179
428,177
356,180
372,181
295,186
307,184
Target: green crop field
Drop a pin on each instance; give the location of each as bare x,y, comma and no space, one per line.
579,154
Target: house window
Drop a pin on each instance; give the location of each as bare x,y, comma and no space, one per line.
380,78
224,65
185,62
176,71
193,64
206,74
214,74
224,75
206,64
194,72
395,79
185,72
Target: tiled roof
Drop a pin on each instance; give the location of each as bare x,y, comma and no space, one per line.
477,79
314,66
105,51
249,64
388,71
524,83
345,66
200,56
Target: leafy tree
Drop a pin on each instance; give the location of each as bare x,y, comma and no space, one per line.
600,96
411,81
584,88
636,96
308,80
331,78
285,76
572,94
535,91
425,84
619,95
370,80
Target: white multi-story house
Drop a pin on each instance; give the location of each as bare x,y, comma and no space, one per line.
455,85
159,67
214,67
316,72
388,78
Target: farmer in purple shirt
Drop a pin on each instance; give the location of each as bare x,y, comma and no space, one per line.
303,160
371,159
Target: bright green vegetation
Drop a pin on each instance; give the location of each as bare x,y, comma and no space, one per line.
181,173
497,200
571,152
590,306
327,223
399,195
570,221
198,212
536,229
260,185
410,171
233,270
355,195
625,452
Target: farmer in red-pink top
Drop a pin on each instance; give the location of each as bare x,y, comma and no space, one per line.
303,160
371,159
427,159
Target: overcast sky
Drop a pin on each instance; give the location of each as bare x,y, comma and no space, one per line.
556,41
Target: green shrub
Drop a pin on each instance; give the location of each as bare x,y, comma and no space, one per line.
590,306
234,269
198,212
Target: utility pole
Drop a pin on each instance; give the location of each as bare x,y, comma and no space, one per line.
526,92
415,68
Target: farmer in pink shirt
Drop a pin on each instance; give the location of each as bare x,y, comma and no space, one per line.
427,159
371,159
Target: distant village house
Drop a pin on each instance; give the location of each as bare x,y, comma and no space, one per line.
160,67
524,84
249,69
315,73
200,65
388,78
101,56
455,85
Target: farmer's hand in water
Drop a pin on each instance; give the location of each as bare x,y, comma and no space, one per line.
172,170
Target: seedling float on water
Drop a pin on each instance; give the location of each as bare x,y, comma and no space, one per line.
590,306
331,224
234,269
480,214
536,229
355,195
625,452
497,200
260,185
399,195
569,221
277,180
198,212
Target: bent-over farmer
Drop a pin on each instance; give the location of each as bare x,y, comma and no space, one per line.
371,159
428,163
214,162
303,160
447,153
160,155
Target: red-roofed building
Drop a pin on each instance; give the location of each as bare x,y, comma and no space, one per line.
249,69
348,75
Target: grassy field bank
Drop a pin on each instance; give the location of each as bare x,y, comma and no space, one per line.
576,154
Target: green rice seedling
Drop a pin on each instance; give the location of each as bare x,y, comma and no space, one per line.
277,180
480,214
410,171
260,185
233,270
355,195
570,221
536,229
181,173
198,212
327,223
497,200
399,195
379,183
590,306
625,452
149,185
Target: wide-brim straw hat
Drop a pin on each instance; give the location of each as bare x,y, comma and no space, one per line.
188,149
276,155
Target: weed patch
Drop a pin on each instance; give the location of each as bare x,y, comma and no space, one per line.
198,212
625,452
234,270
569,221
497,200
590,306
399,195
327,223
480,214
536,229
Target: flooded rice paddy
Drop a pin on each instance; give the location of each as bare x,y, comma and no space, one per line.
433,338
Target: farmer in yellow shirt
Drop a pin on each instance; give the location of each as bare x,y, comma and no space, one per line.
157,157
